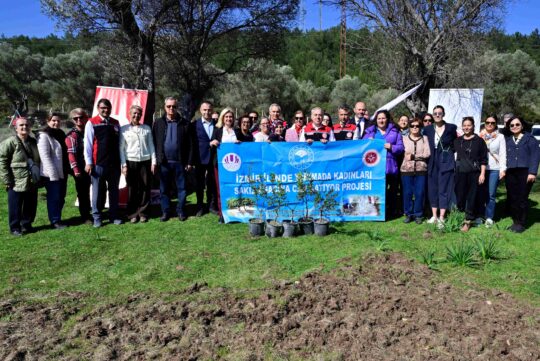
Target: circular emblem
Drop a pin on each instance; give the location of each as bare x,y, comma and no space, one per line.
349,135
371,158
301,157
231,162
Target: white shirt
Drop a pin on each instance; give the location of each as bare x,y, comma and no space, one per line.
208,127
261,137
136,144
229,136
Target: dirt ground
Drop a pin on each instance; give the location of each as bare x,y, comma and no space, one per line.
389,308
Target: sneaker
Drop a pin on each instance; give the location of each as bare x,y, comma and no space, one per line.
59,226
489,223
16,233
440,223
133,220
97,223
117,221
478,221
419,220
408,219
432,220
144,219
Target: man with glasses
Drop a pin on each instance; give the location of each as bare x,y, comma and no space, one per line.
344,130
17,154
75,151
172,143
316,131
102,158
293,133
201,134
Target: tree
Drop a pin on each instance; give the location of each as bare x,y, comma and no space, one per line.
423,39
348,90
20,76
186,32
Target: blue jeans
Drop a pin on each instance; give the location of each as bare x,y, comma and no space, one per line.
169,172
105,179
413,194
56,197
493,179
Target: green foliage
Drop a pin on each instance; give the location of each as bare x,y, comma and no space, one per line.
277,198
427,257
453,222
306,191
240,202
348,90
260,193
462,254
487,249
326,202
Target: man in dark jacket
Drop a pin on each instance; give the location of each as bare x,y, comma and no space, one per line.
201,133
173,156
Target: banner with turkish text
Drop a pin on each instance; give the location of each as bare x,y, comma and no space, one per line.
353,172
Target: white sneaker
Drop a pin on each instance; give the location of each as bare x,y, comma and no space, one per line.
440,223
489,223
478,221
432,220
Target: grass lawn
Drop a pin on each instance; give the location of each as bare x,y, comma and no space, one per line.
116,261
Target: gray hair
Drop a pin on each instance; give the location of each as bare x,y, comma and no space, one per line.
170,98
274,105
78,111
135,107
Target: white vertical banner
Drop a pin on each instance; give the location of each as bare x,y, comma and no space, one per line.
458,103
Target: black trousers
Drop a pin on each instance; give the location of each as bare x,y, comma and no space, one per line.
517,190
466,192
206,179
138,179
22,208
393,208
82,186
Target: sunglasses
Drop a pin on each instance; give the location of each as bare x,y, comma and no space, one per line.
253,118
170,106
77,118
491,123
414,126
299,118
23,125
515,125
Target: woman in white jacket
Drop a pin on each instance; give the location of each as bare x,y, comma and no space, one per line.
138,160
54,167
495,169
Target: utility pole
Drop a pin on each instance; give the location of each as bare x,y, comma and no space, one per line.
343,42
320,15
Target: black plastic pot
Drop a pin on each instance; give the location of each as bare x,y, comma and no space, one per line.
289,228
322,226
306,226
273,229
256,227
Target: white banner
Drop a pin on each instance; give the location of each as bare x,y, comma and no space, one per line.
458,103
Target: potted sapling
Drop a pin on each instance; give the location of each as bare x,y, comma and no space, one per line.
277,198
290,225
258,187
326,203
306,195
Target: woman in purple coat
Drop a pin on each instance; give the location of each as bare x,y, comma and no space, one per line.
385,129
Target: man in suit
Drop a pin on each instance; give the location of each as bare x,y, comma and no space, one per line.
201,133
173,156
361,119
102,158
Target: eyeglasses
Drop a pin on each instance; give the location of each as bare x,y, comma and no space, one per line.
299,118
170,106
515,125
77,118
438,113
491,123
414,126
264,124
253,118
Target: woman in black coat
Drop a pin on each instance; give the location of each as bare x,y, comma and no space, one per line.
522,158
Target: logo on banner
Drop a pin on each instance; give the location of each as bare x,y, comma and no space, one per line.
371,158
231,162
301,157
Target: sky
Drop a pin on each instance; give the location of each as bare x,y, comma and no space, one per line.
24,17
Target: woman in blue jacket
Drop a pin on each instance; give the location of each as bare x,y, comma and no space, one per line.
522,157
385,129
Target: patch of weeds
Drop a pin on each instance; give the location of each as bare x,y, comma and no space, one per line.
380,243
487,249
462,254
453,221
427,257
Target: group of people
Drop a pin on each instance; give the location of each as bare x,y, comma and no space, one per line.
425,156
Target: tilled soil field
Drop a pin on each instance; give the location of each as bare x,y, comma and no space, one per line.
387,308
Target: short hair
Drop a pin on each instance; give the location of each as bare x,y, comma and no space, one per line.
439,107
494,116
254,111
316,108
416,120
274,105
78,111
105,101
207,102
220,121
467,118
52,115
169,99
135,107
524,125
431,119
343,107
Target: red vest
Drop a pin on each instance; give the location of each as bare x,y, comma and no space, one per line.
317,134
344,133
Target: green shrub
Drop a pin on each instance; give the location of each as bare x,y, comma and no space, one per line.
462,254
